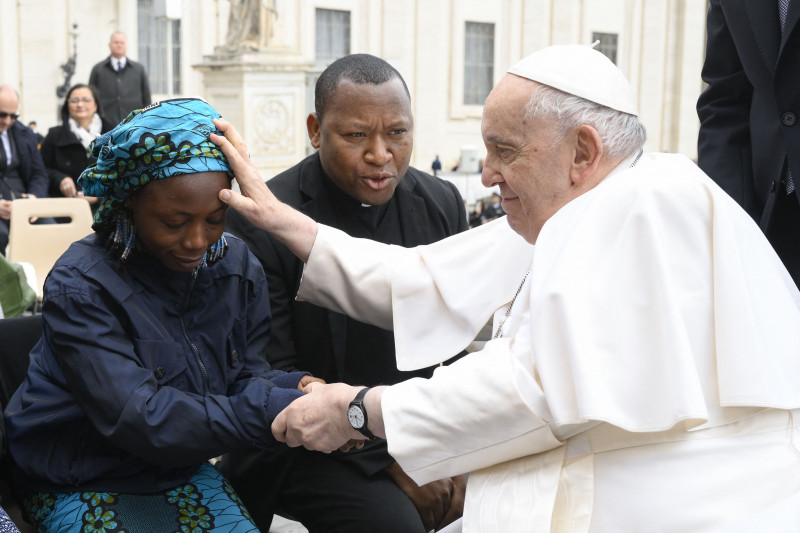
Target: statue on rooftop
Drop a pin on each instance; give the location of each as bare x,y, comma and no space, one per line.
250,25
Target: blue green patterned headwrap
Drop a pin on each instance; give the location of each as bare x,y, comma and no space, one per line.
164,139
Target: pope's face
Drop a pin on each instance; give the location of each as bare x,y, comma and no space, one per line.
524,158
365,139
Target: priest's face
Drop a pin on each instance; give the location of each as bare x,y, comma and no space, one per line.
526,158
365,139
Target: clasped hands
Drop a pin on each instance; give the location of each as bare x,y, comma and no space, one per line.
318,420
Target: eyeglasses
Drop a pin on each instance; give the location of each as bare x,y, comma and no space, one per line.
13,116
85,100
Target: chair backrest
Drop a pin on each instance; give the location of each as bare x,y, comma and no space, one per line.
42,244
18,336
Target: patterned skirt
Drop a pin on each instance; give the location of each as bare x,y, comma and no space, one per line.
204,504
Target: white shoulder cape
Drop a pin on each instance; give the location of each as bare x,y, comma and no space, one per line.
654,299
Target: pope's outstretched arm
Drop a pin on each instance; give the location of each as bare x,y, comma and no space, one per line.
257,203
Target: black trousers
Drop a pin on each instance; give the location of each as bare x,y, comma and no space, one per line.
327,493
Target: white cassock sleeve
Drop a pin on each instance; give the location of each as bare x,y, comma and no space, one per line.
483,409
448,291
653,299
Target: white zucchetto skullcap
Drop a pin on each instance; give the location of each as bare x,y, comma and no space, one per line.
582,71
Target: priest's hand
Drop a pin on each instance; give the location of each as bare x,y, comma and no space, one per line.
349,445
439,502
456,501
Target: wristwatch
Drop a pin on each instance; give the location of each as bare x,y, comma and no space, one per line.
357,414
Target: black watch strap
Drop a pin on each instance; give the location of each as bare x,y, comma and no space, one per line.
358,401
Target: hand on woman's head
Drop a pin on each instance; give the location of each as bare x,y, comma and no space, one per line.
255,195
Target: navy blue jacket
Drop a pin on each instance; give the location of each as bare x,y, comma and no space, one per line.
142,374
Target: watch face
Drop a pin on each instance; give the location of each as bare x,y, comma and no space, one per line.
356,416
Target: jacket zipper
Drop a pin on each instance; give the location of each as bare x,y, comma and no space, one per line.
197,356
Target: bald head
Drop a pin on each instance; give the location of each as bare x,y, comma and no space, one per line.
9,105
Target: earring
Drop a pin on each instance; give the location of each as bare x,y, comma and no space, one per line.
123,240
216,252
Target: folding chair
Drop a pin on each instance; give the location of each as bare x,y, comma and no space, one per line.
42,244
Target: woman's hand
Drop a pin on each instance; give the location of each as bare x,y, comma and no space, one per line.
91,199
67,187
305,380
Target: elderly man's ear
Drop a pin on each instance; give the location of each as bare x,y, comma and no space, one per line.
588,153
312,124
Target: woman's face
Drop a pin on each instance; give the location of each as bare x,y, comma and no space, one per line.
81,104
178,219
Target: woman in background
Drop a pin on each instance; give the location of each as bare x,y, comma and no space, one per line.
65,149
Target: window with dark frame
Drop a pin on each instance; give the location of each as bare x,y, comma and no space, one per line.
159,49
607,45
478,62
332,33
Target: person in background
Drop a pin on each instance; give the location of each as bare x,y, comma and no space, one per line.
65,150
749,141
121,82
494,209
360,181
22,171
645,331
35,129
152,357
436,166
476,215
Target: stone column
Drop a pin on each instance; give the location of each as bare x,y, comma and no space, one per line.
263,94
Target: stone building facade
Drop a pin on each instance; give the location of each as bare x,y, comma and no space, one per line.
449,51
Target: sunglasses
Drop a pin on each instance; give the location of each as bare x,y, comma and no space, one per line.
13,116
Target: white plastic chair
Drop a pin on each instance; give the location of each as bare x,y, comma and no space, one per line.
42,244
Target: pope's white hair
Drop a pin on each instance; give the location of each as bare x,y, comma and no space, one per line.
621,133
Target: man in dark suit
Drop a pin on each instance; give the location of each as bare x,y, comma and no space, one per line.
749,139
359,181
121,82
22,172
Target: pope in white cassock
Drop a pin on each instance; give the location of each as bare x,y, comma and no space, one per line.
645,369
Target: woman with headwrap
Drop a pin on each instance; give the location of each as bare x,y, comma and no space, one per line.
152,353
